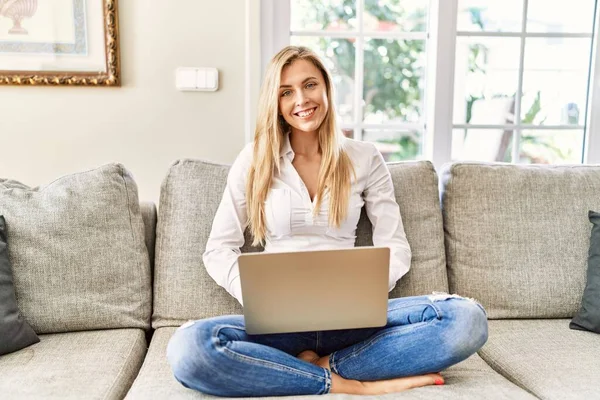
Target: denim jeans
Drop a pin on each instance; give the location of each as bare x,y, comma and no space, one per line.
423,334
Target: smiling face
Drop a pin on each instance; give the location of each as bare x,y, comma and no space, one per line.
303,99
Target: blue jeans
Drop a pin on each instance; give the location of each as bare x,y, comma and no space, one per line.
423,334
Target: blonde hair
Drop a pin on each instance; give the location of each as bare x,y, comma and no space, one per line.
336,166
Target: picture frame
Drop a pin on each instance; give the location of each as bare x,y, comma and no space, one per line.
59,42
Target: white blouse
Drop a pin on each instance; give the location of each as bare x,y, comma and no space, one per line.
290,225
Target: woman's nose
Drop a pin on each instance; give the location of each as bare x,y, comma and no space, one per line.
300,98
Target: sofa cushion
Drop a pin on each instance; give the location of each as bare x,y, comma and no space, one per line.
517,236
588,318
15,332
545,357
78,253
470,379
190,195
77,365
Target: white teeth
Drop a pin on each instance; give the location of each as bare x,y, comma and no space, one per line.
303,114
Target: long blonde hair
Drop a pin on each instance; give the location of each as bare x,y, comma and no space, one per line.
336,167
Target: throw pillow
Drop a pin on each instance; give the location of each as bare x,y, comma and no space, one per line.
15,332
588,317
78,251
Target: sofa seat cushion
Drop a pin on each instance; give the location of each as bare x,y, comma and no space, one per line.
190,195
79,365
471,379
545,357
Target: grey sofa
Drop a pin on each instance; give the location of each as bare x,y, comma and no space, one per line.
513,237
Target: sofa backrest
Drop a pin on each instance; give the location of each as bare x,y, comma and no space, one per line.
190,195
517,236
77,250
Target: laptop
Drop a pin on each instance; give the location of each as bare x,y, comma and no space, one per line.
315,290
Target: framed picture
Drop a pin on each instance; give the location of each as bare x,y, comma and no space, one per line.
59,42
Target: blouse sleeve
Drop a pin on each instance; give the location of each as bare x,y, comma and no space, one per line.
227,233
384,213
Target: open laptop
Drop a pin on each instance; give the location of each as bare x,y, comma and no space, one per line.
315,290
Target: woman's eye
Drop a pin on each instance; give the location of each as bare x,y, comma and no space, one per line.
286,93
310,85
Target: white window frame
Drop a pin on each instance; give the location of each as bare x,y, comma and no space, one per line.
437,123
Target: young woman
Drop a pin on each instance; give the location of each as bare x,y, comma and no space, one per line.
301,185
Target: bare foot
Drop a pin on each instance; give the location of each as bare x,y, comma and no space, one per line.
350,386
400,384
313,358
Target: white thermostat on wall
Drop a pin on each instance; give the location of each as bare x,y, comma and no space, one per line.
197,79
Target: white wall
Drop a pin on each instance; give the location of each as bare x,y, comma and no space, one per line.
146,124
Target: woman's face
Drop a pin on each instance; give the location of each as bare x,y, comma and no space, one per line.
303,96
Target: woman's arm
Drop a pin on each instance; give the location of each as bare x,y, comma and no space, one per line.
227,233
384,214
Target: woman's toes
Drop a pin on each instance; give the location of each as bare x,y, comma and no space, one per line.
425,380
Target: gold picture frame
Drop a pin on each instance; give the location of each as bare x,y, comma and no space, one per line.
110,76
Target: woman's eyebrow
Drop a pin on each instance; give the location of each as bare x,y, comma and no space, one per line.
304,81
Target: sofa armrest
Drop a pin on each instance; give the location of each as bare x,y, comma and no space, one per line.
149,216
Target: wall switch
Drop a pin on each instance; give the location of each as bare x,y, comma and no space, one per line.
197,79
212,79
185,79
201,78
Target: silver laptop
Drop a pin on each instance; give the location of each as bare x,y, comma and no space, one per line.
315,290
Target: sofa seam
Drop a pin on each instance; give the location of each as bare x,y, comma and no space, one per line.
140,282
123,367
455,245
451,218
44,186
158,243
143,368
151,263
466,163
195,160
437,200
496,367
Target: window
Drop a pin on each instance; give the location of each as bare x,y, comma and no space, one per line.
457,79
521,80
376,50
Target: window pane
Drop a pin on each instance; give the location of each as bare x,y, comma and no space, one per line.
329,15
393,80
572,16
396,15
394,144
486,79
338,56
490,16
555,81
536,146
551,147
482,145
